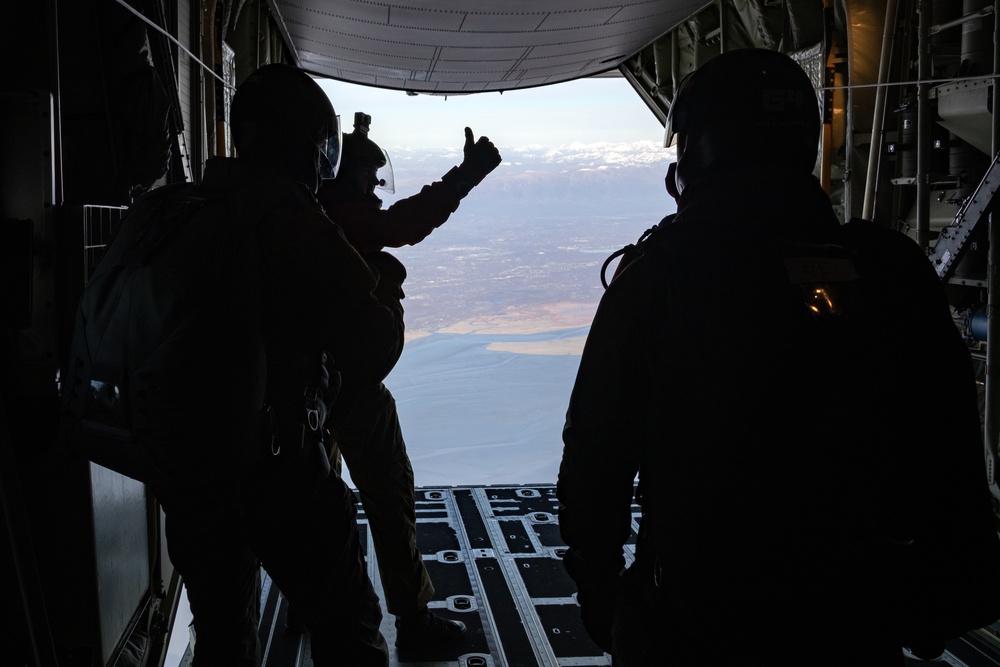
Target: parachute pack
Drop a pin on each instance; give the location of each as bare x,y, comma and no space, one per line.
159,332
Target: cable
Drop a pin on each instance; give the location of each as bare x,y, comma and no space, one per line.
174,40
912,83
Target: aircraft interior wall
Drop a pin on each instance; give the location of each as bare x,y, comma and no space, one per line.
81,125
103,108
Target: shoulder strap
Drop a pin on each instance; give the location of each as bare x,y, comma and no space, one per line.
162,222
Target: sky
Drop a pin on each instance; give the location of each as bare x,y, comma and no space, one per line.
587,111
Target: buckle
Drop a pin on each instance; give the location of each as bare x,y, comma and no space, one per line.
312,419
275,447
311,401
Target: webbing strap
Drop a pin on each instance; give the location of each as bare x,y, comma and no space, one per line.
162,221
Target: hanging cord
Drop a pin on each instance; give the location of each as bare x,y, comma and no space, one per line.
617,253
631,252
174,40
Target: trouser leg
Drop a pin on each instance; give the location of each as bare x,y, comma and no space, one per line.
221,578
310,547
379,466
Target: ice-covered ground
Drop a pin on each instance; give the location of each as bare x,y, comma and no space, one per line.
485,408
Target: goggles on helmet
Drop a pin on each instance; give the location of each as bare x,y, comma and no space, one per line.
330,150
384,175
677,114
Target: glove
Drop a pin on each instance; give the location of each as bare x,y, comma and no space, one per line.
330,380
388,268
481,157
390,273
598,607
599,592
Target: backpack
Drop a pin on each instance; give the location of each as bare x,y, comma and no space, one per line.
920,500
167,346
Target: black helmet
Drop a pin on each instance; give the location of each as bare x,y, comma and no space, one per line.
745,106
293,111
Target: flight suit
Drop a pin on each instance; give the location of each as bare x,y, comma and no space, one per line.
364,425
406,222
364,429
780,424
312,294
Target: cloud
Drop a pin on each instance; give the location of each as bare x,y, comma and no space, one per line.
592,154
602,174
575,154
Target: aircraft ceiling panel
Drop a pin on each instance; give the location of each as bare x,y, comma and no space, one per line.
356,70
493,22
539,60
426,20
460,46
359,49
648,14
484,55
571,20
595,47
458,75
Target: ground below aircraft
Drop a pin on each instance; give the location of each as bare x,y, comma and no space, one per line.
103,99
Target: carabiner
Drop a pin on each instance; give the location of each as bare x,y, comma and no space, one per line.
275,447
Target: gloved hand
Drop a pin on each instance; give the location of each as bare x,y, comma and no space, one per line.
481,157
389,269
599,591
599,602
329,379
390,273
321,392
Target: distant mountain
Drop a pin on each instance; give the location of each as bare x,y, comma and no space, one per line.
596,179
535,232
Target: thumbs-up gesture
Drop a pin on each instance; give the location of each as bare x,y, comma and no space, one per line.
481,157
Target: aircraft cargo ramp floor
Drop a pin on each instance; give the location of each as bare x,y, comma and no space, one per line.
493,553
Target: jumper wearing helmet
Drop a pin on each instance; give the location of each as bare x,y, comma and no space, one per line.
364,166
366,430
748,106
755,310
350,199
281,116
